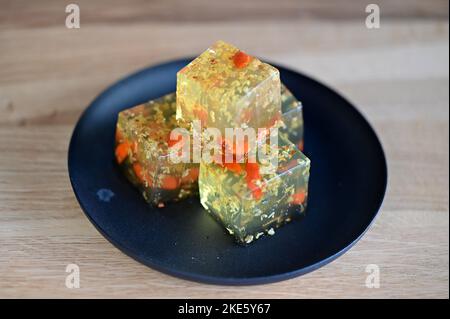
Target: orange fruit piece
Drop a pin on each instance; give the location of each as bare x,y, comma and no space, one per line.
140,174
192,175
299,198
256,190
253,175
234,167
252,170
169,183
171,142
241,59
122,152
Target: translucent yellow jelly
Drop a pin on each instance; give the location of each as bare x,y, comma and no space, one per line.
250,204
142,150
146,127
226,88
292,118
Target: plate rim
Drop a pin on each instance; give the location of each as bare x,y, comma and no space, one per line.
214,280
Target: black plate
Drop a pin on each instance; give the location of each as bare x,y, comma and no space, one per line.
347,186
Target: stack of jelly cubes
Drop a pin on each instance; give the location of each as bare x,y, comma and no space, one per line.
223,88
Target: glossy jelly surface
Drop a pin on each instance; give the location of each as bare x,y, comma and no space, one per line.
143,152
227,88
249,203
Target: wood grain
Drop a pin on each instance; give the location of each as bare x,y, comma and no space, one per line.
397,76
48,13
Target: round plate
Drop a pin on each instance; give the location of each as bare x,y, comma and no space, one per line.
346,188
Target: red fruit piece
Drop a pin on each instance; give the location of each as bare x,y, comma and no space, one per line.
192,176
252,177
122,152
255,189
169,183
299,198
234,167
142,175
171,142
241,59
252,170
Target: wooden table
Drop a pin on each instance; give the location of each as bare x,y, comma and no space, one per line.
396,75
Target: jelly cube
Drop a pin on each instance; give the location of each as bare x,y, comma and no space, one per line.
249,204
226,88
143,152
288,100
291,127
